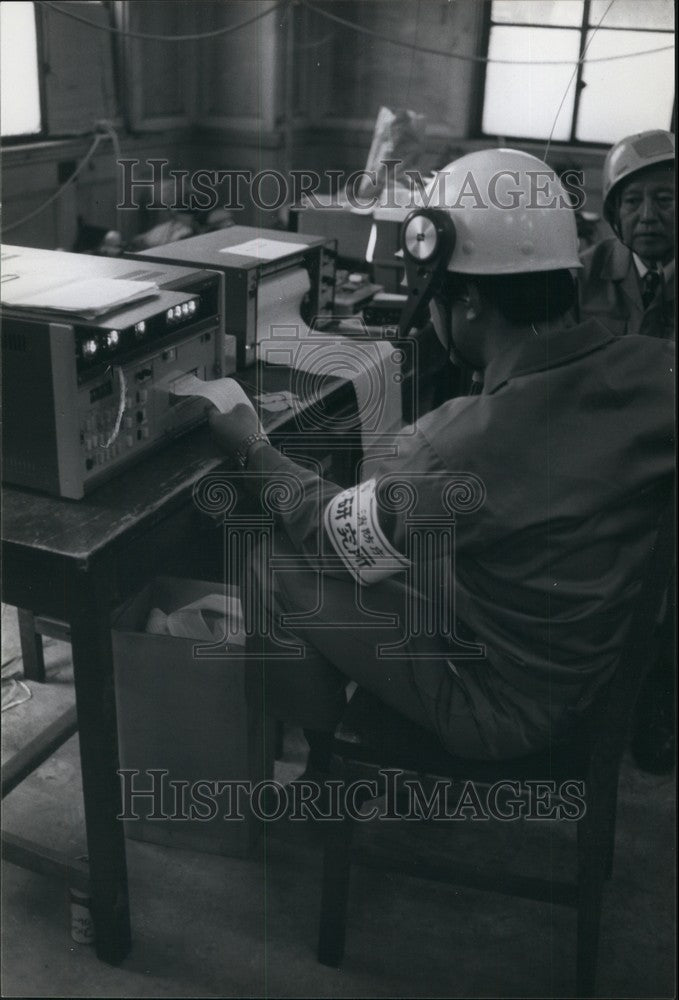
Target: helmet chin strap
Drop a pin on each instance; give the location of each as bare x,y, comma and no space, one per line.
427,242
442,320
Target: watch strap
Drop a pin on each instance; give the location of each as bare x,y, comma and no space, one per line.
243,448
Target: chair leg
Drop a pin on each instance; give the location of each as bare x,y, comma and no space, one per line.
596,831
610,833
335,894
589,922
31,647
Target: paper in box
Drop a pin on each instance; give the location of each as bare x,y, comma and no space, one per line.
199,719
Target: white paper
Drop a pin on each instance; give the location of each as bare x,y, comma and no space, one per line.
84,297
223,393
265,249
276,402
210,618
285,339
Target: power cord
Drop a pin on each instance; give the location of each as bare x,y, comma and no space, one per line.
229,29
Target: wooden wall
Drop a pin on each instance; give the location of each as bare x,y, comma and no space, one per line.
340,81
142,88
345,77
292,90
31,175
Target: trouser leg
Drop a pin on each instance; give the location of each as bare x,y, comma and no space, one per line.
341,633
300,686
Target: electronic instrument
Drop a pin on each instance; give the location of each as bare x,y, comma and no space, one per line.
263,271
86,395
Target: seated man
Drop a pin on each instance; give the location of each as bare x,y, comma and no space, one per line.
494,635
628,282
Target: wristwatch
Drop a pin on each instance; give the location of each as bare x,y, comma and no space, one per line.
242,451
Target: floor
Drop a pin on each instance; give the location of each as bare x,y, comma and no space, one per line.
213,926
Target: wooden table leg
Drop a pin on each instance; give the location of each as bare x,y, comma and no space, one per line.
31,647
95,700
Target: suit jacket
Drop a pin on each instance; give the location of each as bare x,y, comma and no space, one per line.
610,290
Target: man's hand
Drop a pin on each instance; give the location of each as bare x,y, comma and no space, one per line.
231,429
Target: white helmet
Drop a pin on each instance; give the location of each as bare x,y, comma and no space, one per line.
510,214
629,156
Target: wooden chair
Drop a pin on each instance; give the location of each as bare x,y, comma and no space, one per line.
373,738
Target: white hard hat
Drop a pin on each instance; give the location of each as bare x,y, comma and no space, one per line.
629,156
510,213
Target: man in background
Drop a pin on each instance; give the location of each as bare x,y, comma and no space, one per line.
627,280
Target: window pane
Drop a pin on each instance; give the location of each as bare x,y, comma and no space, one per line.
628,95
634,14
523,100
557,12
20,93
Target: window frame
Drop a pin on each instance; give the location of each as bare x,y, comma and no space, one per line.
584,28
119,119
23,138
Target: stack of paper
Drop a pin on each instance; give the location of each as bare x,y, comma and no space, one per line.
84,297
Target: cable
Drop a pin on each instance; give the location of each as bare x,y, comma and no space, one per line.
476,59
165,38
107,126
121,407
17,693
110,131
573,76
58,193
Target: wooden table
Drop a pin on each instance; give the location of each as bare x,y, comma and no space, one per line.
74,561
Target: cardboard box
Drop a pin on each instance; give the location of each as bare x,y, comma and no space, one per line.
198,719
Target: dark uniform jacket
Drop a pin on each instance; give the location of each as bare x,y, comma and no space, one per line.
610,291
563,462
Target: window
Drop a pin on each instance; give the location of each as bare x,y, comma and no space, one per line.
605,100
19,82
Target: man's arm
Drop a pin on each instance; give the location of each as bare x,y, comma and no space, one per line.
365,528
303,522
343,529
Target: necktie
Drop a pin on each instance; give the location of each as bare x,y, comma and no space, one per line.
650,283
476,388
